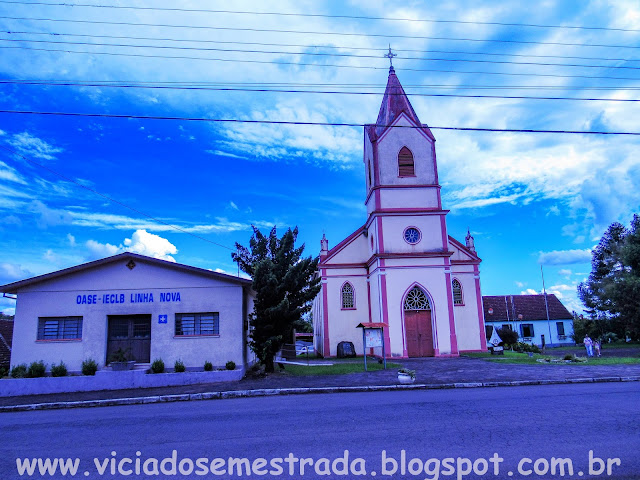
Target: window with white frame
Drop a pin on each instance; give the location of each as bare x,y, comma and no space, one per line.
560,327
348,297
457,293
197,324
526,329
60,328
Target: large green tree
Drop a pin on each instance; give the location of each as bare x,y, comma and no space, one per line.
285,287
612,290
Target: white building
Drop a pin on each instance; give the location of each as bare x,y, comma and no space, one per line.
148,307
535,320
401,267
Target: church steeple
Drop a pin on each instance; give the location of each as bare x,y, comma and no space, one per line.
394,102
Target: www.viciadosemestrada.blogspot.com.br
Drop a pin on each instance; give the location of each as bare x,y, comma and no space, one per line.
390,464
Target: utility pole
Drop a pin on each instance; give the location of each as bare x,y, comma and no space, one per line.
546,303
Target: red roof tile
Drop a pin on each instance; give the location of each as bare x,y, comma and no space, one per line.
531,307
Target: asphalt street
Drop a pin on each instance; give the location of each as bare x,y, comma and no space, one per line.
475,428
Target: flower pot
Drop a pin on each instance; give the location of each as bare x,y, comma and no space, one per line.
405,379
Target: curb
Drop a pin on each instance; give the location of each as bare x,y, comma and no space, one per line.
299,391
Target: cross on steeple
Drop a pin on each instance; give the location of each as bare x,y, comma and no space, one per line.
390,56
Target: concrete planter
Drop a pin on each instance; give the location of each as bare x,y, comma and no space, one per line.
405,379
109,380
122,366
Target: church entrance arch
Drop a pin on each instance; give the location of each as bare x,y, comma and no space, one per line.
417,324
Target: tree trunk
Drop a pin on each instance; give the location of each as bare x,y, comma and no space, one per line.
268,364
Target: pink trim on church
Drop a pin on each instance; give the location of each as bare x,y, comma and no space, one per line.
385,309
325,310
452,320
483,337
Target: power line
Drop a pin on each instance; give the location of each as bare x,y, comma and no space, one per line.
265,85
301,32
368,67
324,124
274,90
111,199
318,15
371,49
325,54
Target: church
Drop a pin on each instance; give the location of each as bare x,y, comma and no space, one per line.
401,268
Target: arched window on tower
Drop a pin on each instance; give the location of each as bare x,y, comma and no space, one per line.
457,293
405,163
370,182
348,297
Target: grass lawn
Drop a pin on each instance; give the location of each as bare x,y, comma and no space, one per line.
523,358
339,368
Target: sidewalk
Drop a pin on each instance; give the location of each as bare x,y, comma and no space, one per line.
430,373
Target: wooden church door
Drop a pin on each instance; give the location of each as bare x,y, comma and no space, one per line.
417,324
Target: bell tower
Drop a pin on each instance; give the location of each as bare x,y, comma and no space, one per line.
400,156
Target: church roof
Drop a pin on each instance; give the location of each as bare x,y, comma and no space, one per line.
394,103
503,308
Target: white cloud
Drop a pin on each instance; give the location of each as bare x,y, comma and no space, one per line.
520,284
10,174
48,217
529,291
33,147
233,205
151,245
11,272
101,250
72,240
141,242
565,272
225,154
564,257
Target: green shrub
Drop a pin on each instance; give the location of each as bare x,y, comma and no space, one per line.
4,371
509,337
19,371
568,356
609,337
120,355
178,366
230,365
59,370
208,366
525,347
89,367
157,366
36,369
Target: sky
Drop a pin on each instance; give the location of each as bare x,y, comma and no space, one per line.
175,186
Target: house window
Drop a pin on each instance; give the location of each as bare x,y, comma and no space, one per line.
457,293
506,326
348,299
405,163
197,324
526,329
60,328
560,327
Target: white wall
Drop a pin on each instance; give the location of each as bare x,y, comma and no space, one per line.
198,293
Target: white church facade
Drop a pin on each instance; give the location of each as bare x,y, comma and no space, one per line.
401,268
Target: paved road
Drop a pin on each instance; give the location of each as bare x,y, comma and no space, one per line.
538,422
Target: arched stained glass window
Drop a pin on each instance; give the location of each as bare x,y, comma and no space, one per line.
348,300
416,300
457,293
405,163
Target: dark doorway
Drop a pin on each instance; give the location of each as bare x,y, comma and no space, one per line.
131,333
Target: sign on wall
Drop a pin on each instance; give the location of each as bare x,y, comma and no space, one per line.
162,319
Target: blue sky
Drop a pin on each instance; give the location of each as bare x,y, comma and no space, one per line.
529,199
